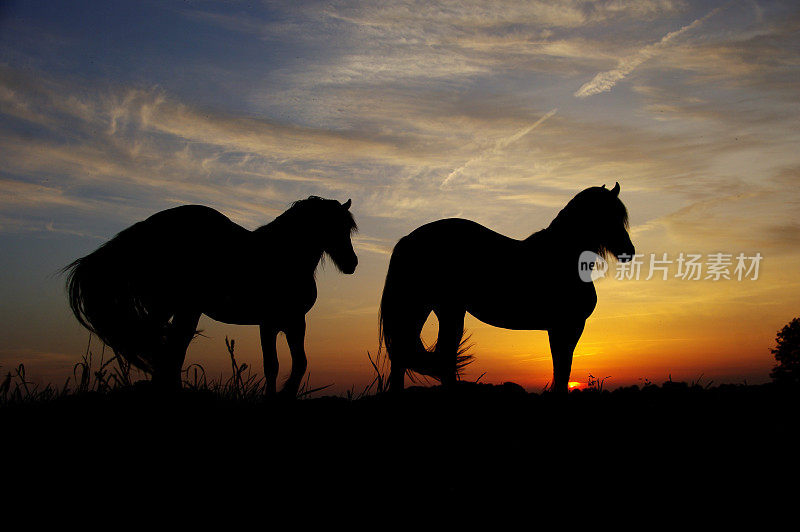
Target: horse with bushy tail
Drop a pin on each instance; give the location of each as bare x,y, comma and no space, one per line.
143,292
530,284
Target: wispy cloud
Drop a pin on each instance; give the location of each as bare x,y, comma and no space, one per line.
432,20
498,146
605,81
372,244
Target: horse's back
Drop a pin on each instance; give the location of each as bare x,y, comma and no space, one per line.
192,218
188,231
455,240
173,249
454,233
450,252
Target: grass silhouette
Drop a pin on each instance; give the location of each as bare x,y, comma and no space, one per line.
102,374
98,374
221,434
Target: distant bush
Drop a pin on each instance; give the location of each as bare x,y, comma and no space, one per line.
787,354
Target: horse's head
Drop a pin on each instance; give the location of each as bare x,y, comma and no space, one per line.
339,226
600,219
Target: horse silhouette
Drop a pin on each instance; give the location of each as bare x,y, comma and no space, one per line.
142,292
454,266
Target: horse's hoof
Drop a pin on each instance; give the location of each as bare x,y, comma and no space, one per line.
286,395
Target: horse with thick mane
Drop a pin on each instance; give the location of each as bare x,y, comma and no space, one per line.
454,266
142,292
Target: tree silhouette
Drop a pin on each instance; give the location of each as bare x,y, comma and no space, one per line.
787,354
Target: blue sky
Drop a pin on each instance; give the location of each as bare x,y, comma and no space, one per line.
494,111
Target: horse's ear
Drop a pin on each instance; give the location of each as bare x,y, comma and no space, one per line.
615,190
604,185
347,204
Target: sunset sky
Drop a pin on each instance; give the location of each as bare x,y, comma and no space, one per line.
499,112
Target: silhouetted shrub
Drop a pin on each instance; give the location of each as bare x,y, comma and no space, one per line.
787,354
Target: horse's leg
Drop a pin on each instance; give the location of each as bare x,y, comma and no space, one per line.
451,331
183,329
407,342
269,335
563,340
397,376
187,324
295,337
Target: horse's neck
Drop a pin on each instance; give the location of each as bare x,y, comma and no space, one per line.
563,240
293,247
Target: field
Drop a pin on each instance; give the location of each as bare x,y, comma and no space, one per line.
673,444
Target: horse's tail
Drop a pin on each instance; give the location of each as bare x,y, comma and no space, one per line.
398,331
105,294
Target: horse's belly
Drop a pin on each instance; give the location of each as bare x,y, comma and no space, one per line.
234,315
531,310
511,319
258,307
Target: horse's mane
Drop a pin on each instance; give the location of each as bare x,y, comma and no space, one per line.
591,202
582,211
309,213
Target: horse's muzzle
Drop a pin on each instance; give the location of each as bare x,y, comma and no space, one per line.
350,268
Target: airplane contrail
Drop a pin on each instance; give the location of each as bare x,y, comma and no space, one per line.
605,81
499,145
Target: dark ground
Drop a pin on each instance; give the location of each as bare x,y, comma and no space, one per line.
673,446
